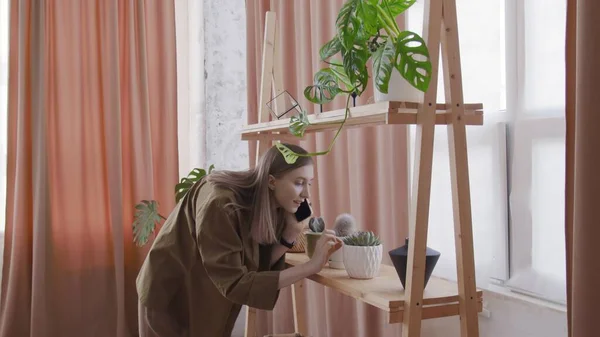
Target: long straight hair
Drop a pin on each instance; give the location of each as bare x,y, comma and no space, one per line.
251,190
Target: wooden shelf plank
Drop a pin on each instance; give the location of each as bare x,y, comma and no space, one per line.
381,113
385,292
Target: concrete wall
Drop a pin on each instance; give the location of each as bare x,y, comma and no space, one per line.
225,91
225,82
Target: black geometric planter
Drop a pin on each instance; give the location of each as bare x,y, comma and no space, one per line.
400,261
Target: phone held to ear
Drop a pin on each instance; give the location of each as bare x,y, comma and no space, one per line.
303,211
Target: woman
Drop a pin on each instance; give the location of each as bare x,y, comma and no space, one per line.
224,246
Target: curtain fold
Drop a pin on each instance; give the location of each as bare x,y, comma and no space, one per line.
366,173
583,165
92,131
571,82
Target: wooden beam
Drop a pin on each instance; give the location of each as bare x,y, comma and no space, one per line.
266,77
299,306
459,173
419,211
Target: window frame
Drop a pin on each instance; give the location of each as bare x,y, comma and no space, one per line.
540,124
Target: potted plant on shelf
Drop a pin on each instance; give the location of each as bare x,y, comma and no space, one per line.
147,217
366,30
316,226
344,226
363,255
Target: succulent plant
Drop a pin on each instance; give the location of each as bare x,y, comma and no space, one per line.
362,239
344,225
316,224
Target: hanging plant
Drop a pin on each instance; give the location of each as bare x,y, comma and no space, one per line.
365,30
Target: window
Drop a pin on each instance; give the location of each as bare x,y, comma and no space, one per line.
4,24
481,37
537,152
512,55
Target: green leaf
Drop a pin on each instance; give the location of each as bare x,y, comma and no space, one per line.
289,155
355,66
384,60
347,24
367,15
186,183
298,124
340,73
412,60
396,7
324,89
146,220
330,48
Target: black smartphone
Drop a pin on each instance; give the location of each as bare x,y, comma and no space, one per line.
303,211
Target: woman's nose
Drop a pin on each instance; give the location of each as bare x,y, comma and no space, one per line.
305,193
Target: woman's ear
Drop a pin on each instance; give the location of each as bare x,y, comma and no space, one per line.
271,182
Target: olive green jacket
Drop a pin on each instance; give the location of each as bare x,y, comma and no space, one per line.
203,266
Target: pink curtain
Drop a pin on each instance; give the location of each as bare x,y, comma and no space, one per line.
583,165
366,174
92,131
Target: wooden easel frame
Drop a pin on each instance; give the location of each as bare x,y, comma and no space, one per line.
440,29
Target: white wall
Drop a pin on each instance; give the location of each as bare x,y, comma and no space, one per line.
225,82
225,93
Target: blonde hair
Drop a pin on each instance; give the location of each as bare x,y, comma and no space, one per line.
251,190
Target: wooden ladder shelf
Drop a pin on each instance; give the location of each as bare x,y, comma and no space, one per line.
411,305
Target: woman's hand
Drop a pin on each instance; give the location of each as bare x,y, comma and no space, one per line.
327,245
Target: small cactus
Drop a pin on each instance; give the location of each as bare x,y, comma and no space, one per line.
316,224
344,225
362,239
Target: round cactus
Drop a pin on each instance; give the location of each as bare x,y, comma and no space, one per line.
344,225
316,224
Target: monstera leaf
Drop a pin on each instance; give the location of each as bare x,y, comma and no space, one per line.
146,216
289,155
184,185
347,24
324,89
413,60
384,60
146,220
397,7
330,48
298,124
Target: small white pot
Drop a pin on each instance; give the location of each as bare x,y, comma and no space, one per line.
398,90
336,260
363,262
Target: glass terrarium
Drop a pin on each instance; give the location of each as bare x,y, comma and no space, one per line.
284,105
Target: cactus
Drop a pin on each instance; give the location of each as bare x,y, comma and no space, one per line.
344,225
362,239
316,224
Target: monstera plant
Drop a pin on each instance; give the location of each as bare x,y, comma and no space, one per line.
147,217
365,30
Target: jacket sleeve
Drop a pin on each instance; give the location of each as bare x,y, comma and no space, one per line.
221,249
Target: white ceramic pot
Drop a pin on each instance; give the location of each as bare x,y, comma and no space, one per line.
363,262
336,260
398,90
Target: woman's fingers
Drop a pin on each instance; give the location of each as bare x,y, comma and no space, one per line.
334,245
